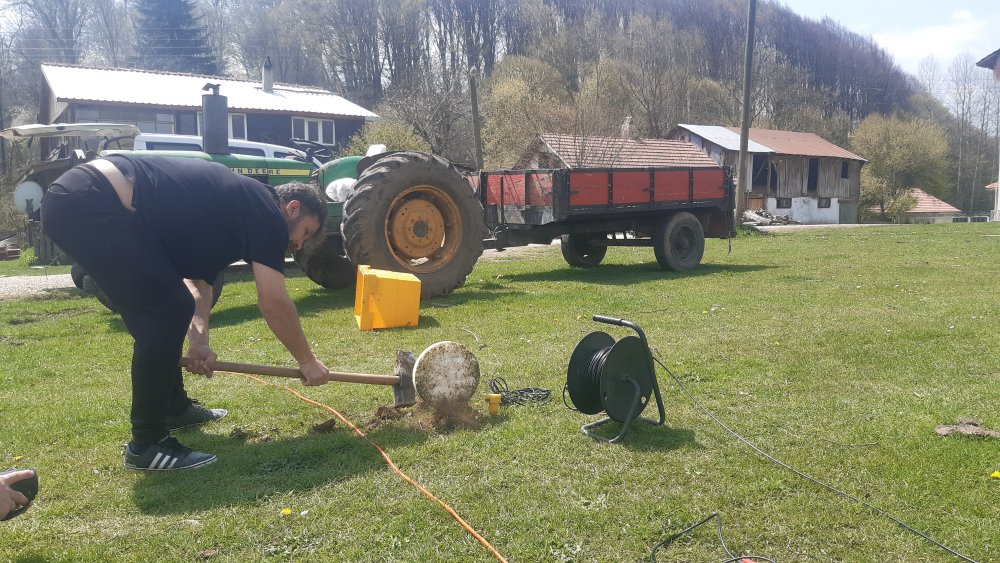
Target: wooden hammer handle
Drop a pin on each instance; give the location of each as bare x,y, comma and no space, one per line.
255,369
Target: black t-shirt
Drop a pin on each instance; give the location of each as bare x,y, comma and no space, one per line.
205,215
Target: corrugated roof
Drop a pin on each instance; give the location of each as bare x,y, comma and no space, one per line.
990,61
795,143
724,137
176,90
926,203
615,152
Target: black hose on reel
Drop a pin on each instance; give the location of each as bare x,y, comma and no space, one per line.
615,377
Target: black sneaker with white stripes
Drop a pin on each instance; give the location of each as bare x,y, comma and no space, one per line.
194,415
166,455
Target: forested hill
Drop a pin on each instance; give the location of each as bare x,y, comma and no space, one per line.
561,66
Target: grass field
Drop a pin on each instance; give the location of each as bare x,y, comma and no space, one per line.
837,351
27,265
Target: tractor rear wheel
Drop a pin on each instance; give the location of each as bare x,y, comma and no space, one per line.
413,212
582,251
679,242
322,259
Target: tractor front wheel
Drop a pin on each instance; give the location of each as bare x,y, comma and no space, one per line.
323,261
413,212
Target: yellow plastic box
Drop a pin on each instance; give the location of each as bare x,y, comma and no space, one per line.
385,299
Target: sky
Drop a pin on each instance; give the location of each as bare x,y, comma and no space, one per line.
910,30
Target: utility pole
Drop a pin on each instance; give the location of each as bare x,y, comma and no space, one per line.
472,53
477,126
742,176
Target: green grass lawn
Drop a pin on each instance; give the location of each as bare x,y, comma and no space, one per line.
838,351
27,265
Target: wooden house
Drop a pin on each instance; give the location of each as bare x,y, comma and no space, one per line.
167,102
992,62
799,175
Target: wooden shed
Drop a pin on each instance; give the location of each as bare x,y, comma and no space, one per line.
800,175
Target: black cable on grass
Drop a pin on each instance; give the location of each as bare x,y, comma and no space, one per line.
722,540
526,396
805,476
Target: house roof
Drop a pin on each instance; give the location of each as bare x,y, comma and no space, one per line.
772,141
175,90
990,61
614,152
802,144
926,203
724,137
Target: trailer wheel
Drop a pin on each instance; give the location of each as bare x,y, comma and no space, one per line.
413,212
679,242
582,251
322,259
89,285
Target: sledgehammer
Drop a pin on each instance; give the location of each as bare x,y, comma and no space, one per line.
404,393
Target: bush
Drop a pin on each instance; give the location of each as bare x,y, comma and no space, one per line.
394,135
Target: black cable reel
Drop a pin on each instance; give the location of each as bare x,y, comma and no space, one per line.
614,377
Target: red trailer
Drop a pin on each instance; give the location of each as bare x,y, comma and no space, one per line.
671,209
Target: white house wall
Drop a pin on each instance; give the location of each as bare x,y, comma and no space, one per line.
805,210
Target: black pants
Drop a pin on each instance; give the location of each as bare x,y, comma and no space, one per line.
82,214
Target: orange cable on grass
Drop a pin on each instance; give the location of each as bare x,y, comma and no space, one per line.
393,466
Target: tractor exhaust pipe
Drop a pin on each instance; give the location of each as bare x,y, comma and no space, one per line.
215,130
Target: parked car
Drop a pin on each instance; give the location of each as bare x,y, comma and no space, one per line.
164,142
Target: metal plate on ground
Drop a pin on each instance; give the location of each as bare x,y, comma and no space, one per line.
628,357
446,374
587,401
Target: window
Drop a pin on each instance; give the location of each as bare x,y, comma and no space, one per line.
318,130
784,203
237,125
246,150
845,170
187,123
161,146
146,121
823,203
813,174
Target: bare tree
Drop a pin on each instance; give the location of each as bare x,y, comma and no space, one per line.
961,83
110,30
57,26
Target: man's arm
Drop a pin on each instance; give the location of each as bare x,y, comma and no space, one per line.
201,354
283,320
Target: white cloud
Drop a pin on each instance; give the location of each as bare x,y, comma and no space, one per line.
944,41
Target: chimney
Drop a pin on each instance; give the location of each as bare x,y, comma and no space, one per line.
266,76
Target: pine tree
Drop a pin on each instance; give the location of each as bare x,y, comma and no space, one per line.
171,36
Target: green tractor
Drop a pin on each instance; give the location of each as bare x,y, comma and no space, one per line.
403,211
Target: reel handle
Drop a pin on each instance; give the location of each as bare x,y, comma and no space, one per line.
622,322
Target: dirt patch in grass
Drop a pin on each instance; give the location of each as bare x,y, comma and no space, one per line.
424,417
252,436
324,427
